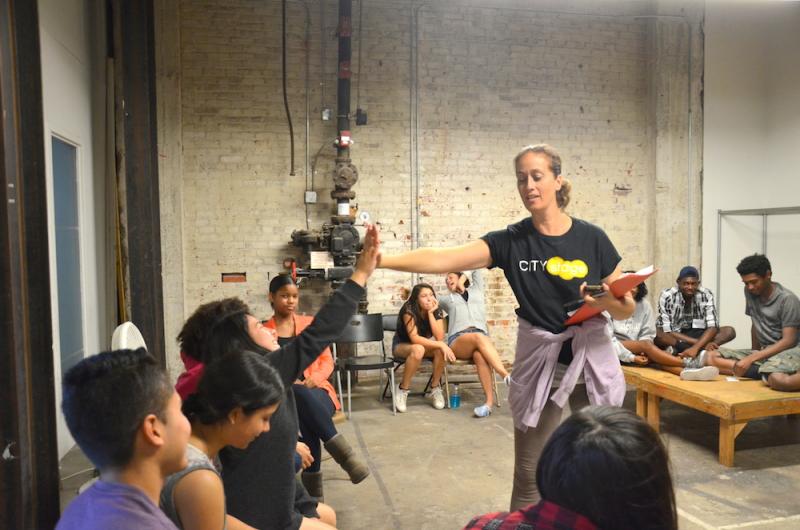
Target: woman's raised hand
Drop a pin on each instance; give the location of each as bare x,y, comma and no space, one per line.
369,257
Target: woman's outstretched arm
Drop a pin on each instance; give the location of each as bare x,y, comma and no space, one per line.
474,255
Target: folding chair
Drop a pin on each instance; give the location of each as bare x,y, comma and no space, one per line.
362,329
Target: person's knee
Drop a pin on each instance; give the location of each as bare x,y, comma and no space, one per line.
417,352
477,358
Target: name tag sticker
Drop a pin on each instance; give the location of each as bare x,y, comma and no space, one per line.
698,323
732,379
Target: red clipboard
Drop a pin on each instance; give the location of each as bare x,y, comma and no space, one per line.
621,286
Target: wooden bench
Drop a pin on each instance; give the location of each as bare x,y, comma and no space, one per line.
733,402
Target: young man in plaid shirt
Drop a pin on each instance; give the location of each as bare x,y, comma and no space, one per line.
687,318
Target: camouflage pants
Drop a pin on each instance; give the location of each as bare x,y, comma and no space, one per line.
787,361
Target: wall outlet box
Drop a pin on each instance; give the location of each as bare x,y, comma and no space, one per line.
311,197
326,114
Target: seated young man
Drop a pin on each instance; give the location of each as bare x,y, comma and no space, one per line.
127,419
687,318
775,314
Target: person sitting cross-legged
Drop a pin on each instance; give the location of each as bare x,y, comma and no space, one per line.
687,319
633,341
775,314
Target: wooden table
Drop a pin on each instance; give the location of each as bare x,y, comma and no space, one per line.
733,402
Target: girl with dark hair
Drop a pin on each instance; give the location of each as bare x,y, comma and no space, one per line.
314,395
260,483
630,486
420,334
235,399
548,259
633,342
468,334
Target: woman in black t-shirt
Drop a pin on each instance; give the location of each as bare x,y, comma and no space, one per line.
420,333
548,258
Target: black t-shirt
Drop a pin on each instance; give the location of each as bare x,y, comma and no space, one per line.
545,272
423,327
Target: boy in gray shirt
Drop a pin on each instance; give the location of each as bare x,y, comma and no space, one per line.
775,314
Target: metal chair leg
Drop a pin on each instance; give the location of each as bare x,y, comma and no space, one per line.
391,377
339,384
496,390
446,387
349,394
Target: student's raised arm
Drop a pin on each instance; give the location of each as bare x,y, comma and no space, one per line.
474,255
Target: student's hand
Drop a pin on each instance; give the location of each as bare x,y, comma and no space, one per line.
449,356
310,383
434,307
641,359
305,455
462,281
690,352
369,257
741,367
712,346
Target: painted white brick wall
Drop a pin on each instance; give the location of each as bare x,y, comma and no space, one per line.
489,82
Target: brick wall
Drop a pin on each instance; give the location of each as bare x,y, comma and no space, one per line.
487,82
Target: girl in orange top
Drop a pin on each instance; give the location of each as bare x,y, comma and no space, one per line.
315,397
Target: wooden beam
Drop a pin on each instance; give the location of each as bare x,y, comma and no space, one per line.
29,481
134,59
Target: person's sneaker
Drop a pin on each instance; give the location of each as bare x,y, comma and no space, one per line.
698,361
437,397
482,411
400,398
670,350
507,380
706,373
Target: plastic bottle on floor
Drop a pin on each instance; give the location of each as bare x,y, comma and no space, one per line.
455,398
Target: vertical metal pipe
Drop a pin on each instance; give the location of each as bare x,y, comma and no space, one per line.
764,233
344,73
719,263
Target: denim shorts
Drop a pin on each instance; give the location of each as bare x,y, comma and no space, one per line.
452,338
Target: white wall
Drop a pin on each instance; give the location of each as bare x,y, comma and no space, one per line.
67,85
751,143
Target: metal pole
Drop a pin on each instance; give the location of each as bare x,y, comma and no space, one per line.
764,233
719,263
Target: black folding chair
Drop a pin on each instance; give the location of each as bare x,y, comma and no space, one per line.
362,329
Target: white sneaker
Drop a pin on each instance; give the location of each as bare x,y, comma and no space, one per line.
437,397
400,398
698,361
507,380
706,373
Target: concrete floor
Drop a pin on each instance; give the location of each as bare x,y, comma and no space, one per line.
435,469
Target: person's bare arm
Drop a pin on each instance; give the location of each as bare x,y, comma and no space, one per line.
437,324
700,343
754,342
474,255
788,340
200,500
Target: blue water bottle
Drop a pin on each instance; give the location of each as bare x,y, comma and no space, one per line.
455,398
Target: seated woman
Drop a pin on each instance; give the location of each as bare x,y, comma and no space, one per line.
633,341
314,395
235,399
631,486
467,332
260,483
420,334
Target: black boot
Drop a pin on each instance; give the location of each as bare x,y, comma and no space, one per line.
344,455
312,481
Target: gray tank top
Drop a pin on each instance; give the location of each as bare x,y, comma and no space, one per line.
197,460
